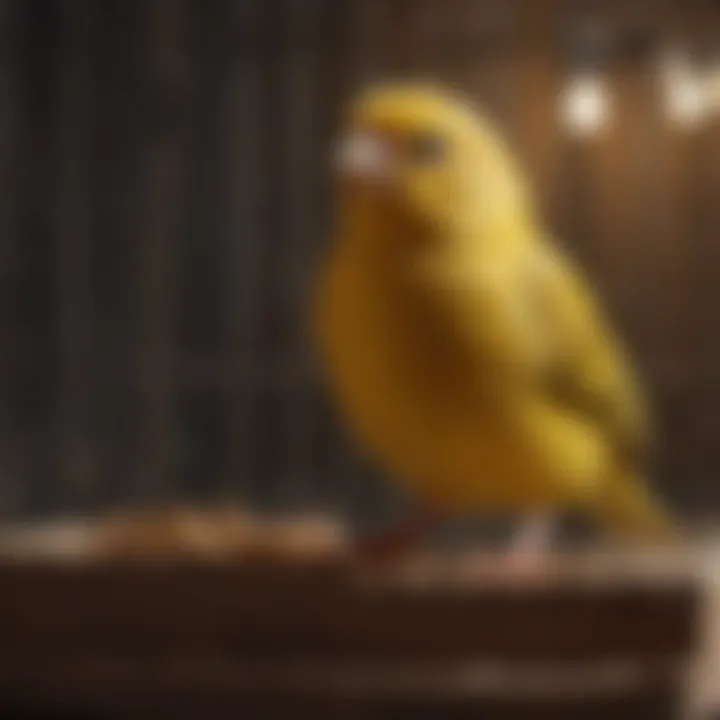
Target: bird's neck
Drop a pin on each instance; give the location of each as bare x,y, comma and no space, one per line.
379,230
384,236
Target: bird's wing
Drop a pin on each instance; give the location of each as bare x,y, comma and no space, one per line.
530,322
589,373
480,313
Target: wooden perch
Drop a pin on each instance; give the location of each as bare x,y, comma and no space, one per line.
266,629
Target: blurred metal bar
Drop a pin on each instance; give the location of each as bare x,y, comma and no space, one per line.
675,214
368,60
538,76
671,252
344,62
579,188
654,319
255,227
72,162
9,178
244,179
343,483
492,25
300,230
700,26
32,277
404,30
118,190
165,56
625,168
284,104
201,256
706,191
270,328
448,22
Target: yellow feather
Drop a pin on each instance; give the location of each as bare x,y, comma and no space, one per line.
467,354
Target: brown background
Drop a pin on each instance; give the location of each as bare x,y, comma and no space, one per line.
164,193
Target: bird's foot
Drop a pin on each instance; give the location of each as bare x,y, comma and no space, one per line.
393,545
516,567
526,566
381,550
527,559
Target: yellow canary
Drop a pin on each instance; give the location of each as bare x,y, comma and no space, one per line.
466,351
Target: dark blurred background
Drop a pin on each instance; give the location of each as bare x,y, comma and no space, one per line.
164,195
164,199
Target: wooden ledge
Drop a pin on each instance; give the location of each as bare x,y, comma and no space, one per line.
252,610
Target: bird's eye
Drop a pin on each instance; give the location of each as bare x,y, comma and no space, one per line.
427,148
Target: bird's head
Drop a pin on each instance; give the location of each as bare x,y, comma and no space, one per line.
425,152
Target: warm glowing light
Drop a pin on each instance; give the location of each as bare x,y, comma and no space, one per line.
686,93
585,104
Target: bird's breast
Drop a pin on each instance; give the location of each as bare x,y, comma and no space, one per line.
403,387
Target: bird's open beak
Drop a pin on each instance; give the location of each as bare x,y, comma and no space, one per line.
364,156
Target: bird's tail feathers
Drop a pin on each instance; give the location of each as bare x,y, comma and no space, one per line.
627,508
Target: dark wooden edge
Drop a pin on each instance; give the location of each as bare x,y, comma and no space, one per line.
247,611
131,686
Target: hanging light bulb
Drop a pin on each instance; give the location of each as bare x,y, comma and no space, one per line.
585,98
585,104
686,96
